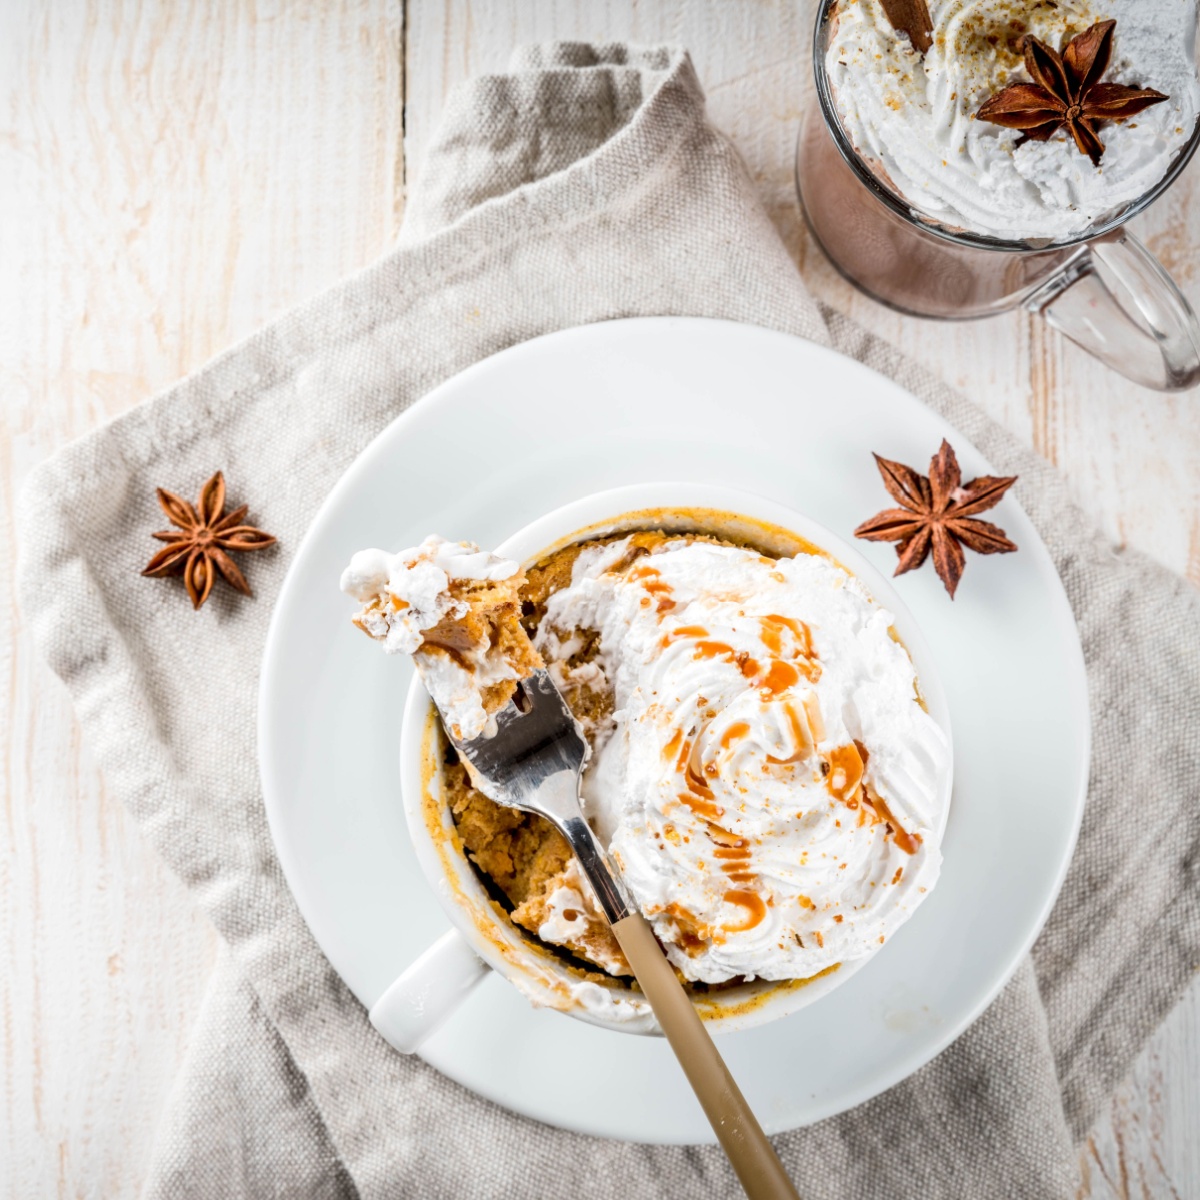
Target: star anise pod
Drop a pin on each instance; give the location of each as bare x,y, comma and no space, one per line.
938,513
199,547
1066,91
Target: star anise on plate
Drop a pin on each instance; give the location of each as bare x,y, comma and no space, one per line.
1066,91
938,513
200,545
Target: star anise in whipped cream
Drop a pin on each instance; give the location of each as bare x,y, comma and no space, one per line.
1067,91
938,513
200,545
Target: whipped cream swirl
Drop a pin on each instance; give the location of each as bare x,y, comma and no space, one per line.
769,784
913,119
407,594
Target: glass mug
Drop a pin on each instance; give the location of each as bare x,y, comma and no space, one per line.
1103,289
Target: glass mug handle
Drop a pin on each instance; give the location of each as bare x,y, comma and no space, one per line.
1159,347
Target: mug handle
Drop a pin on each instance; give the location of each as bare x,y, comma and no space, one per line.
415,1005
1115,299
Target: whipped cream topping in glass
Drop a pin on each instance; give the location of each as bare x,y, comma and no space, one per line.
769,783
411,592
913,118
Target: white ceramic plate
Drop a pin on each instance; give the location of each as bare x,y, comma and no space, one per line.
710,402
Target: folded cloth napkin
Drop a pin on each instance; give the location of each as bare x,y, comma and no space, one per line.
584,184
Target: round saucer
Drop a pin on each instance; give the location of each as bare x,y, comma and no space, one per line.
623,402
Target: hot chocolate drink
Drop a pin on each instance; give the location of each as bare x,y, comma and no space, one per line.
943,178
925,121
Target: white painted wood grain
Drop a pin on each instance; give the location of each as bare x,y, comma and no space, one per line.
174,173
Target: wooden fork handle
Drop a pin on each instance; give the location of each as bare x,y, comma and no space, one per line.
751,1154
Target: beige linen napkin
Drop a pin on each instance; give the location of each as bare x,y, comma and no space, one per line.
585,184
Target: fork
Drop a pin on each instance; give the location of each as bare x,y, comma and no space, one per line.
533,762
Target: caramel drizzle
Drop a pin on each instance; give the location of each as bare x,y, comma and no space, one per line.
737,730
816,722
804,657
701,807
845,773
780,675
844,767
693,935
668,751
685,755
708,649
845,782
684,631
734,857
732,852
801,734
655,586
908,842
696,784
699,796
752,902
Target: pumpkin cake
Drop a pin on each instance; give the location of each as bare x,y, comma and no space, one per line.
761,767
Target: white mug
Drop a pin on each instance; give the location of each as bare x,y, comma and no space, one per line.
483,937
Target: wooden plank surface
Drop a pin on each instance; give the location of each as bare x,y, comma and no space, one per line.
174,175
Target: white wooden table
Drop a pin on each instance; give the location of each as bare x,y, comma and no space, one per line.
175,173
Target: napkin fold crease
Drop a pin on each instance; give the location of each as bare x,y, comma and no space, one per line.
583,184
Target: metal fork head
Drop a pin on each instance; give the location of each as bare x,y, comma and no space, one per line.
536,753
532,762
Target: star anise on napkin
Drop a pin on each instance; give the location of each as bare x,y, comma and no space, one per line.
198,548
938,513
1066,91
